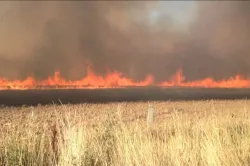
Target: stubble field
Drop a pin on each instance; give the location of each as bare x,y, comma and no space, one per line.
207,132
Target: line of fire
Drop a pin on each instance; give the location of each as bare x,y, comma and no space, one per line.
117,80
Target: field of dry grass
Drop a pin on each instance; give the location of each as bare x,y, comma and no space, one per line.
182,133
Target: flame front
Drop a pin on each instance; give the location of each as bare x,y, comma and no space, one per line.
117,80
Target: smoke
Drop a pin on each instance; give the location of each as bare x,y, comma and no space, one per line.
219,43
38,38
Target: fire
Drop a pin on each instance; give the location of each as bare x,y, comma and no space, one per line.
118,80
234,82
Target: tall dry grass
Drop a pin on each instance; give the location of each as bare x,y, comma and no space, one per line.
185,133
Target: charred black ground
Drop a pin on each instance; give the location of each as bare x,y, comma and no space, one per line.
74,96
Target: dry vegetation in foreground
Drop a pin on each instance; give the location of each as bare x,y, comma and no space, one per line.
183,133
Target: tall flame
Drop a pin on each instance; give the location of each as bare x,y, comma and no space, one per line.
117,80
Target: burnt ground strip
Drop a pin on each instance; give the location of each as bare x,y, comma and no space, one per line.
74,96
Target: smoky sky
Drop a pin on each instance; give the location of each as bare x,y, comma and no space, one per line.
39,38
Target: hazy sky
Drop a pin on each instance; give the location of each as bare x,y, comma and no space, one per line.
137,38
180,12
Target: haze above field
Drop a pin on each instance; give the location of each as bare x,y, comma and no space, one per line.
136,38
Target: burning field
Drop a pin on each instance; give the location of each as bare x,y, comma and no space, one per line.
80,45
117,80
123,47
115,87
124,83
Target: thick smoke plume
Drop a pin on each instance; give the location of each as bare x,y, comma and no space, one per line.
38,38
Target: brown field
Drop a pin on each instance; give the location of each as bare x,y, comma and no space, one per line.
183,133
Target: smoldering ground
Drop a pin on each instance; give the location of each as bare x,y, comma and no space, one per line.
38,38
146,94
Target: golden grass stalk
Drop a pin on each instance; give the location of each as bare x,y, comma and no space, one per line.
218,137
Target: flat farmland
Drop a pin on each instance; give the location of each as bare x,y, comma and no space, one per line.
203,132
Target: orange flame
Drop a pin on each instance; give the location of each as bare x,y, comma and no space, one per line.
233,82
117,80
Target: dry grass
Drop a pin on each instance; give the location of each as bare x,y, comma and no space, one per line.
183,133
